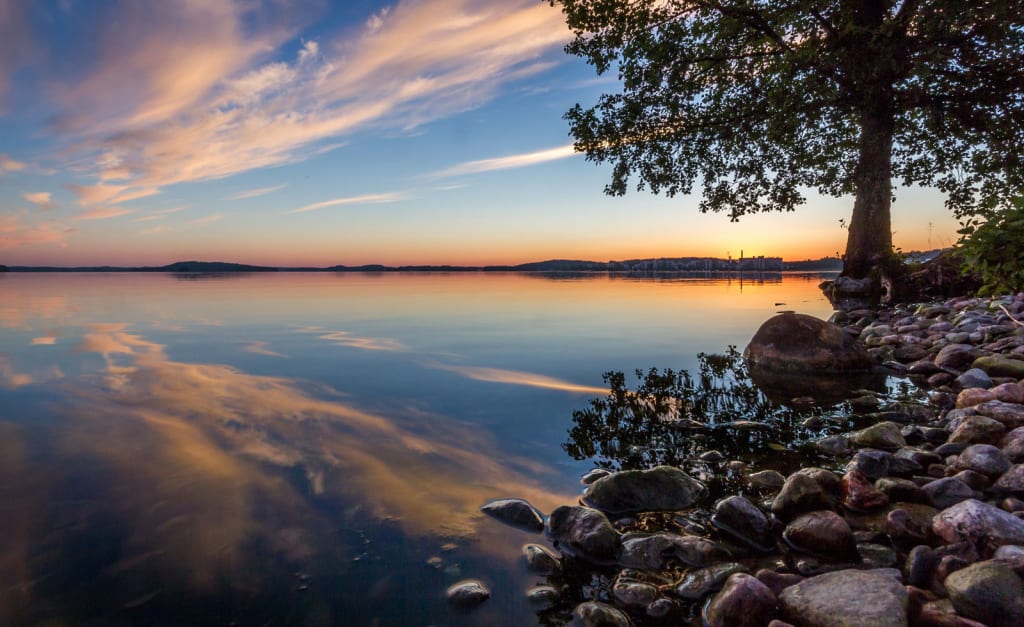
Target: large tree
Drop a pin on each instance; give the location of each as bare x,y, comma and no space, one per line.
758,101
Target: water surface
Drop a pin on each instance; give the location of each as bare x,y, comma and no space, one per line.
312,448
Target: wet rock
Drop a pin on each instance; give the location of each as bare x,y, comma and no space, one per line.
766,480
540,559
822,534
860,495
1011,415
981,524
924,367
798,343
974,378
847,597
827,479
1013,445
743,602
1011,555
902,490
468,593
597,614
1000,366
956,356
656,551
909,526
585,533
799,494
876,555
948,491
973,396
634,593
978,430
515,512
920,456
985,459
873,464
543,597
920,566
1009,393
697,584
975,480
743,521
834,445
594,475
1011,482
989,592
884,435
909,353
631,491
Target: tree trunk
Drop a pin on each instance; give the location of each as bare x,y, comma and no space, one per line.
869,243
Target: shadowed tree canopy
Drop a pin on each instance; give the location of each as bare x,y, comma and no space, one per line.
758,101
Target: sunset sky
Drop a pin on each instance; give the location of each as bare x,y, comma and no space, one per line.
289,132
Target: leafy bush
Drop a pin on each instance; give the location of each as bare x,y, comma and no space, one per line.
993,248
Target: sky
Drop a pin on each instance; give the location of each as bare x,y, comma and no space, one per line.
290,132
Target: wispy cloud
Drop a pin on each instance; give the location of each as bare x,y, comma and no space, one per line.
253,193
204,103
506,163
258,347
344,338
518,377
16,232
163,228
103,213
365,199
210,219
10,165
42,200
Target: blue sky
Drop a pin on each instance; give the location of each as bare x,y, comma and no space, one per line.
289,132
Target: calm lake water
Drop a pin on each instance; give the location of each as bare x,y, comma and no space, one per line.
312,449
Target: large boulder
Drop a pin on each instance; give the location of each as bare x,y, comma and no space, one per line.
847,598
798,343
989,592
663,488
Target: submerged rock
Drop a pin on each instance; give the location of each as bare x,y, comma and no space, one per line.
800,494
597,614
515,512
791,342
631,491
744,522
539,559
823,534
657,551
697,584
585,533
847,597
468,593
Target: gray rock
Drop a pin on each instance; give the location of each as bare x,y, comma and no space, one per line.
975,480
1011,415
657,551
989,592
1011,481
594,475
1009,393
1013,445
902,490
981,524
876,555
777,582
634,593
974,378
698,583
872,598
539,559
799,494
873,464
597,614
631,491
743,521
823,534
1011,555
956,356
799,343
834,445
585,533
948,491
978,430
920,566
468,593
515,512
743,602
884,435
1000,366
985,459
909,524
766,480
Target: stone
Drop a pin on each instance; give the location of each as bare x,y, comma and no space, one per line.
467,593
884,435
924,367
594,475
701,582
543,597
634,593
909,526
876,555
860,495
798,343
849,597
630,491
920,566
1011,481
1013,445
973,396
1011,415
799,494
827,479
660,608
777,582
975,378
585,533
515,512
956,356
974,480
540,559
985,459
658,551
989,592
743,602
834,445
1011,555
981,524
823,534
977,430
909,353
902,490
872,463
1000,366
948,491
1009,393
743,521
597,614
766,480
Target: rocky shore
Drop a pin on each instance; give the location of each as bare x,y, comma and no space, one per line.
917,518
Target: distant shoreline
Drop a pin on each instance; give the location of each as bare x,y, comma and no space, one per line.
662,265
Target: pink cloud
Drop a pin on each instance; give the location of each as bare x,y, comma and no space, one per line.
102,213
42,200
14,232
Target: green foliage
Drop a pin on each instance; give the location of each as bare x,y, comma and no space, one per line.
757,101
992,246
